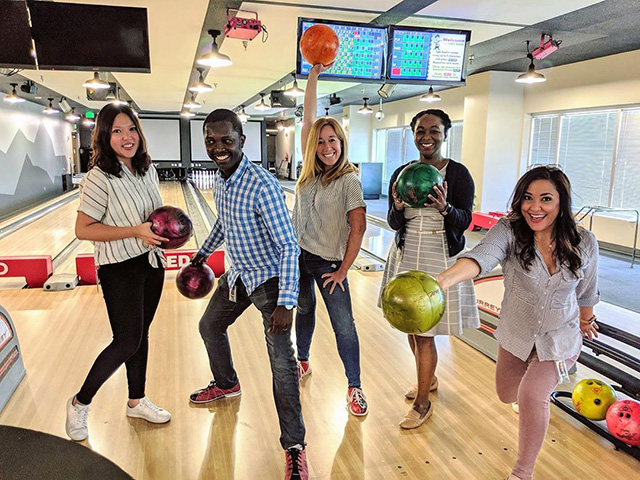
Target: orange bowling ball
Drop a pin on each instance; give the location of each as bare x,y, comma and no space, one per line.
319,44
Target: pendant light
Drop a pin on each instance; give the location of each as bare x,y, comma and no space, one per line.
49,110
187,114
200,86
14,98
72,116
192,104
244,118
365,109
531,76
294,91
96,83
430,97
262,105
214,59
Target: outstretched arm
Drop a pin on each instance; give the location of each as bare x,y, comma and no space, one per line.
310,105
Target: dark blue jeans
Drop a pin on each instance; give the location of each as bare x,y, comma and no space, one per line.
219,315
338,304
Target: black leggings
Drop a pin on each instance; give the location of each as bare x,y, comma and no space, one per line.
131,290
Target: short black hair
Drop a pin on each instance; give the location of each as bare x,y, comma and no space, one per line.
446,121
224,115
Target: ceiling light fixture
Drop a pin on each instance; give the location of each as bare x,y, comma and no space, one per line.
244,118
214,59
430,97
88,122
326,111
200,86
365,109
192,104
72,116
14,98
531,76
187,114
386,90
96,83
262,105
294,91
49,110
116,100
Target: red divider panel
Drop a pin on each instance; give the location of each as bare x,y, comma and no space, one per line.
35,269
176,259
484,220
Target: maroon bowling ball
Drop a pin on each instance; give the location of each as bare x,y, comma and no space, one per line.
195,282
172,223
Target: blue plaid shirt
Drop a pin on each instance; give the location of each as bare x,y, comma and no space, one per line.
254,222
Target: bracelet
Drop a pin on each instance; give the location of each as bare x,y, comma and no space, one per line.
445,212
591,321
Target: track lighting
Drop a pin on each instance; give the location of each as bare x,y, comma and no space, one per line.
365,109
95,83
386,90
200,86
430,97
214,59
14,98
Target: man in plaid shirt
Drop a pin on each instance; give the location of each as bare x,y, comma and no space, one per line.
254,222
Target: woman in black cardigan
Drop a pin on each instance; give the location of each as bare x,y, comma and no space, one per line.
429,239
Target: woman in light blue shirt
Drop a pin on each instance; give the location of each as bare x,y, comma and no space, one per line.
550,268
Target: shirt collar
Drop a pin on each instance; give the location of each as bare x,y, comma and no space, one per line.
237,175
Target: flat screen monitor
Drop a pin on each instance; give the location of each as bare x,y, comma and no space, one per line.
15,35
360,56
73,36
434,56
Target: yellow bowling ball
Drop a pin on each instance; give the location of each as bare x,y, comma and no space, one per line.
592,398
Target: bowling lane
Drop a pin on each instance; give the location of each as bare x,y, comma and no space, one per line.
45,236
40,206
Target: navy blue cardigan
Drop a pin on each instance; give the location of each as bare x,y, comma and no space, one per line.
460,193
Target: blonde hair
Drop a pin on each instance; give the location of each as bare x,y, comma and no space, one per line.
312,166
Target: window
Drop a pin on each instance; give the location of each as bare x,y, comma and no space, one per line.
598,150
395,147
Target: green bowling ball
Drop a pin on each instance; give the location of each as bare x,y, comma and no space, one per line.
416,182
413,302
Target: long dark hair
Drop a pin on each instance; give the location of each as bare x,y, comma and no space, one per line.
565,230
103,155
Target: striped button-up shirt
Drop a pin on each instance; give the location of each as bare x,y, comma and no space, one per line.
124,201
254,222
320,215
538,309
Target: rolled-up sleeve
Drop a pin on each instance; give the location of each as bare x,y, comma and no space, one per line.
493,248
587,291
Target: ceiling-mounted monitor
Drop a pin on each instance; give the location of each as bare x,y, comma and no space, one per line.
15,35
360,56
433,55
74,36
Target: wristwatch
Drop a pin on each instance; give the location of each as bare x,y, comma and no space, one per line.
445,212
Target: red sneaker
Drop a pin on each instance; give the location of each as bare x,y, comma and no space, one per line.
304,369
213,392
357,402
296,464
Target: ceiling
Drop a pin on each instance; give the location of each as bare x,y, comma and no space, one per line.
178,35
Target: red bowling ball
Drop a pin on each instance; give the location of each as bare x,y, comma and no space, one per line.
195,282
623,421
172,223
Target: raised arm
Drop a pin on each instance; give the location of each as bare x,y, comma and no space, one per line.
310,105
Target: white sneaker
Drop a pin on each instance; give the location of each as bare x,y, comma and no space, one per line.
150,412
76,425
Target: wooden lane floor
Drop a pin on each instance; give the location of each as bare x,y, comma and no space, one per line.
172,194
22,214
471,434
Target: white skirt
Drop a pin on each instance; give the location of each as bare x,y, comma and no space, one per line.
425,249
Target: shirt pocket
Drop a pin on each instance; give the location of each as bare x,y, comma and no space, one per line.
565,288
525,286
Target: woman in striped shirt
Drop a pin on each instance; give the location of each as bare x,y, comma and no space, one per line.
117,195
550,269
330,221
